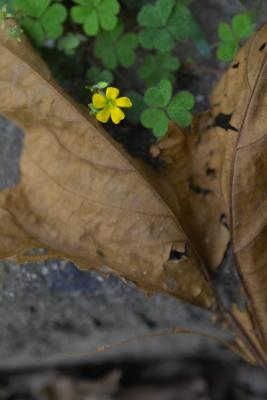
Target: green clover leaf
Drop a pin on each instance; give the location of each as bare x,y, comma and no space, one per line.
52,20
41,19
227,50
164,23
32,8
162,108
156,120
180,107
116,48
125,47
69,43
159,95
231,35
181,23
155,38
242,26
96,14
95,74
159,66
225,32
153,16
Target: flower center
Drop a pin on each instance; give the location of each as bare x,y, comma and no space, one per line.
110,103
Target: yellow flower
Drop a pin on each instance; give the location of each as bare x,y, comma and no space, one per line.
109,105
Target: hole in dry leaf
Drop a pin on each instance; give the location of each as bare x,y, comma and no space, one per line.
262,46
236,65
198,189
223,121
100,253
11,142
211,172
223,220
178,255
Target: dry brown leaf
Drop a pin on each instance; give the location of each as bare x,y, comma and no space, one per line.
188,156
232,142
81,196
239,105
193,168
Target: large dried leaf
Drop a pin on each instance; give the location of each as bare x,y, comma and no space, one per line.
188,156
239,102
81,196
224,161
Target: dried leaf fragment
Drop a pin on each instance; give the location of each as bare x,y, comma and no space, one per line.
235,148
80,196
193,169
241,97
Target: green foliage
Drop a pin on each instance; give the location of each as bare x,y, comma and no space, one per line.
179,109
95,88
69,43
95,74
138,51
163,108
96,14
158,66
4,15
8,4
15,32
231,35
164,23
159,95
42,19
116,48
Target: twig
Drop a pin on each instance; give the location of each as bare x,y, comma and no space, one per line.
206,70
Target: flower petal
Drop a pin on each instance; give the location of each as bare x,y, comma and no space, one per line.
112,93
103,115
123,102
117,115
99,101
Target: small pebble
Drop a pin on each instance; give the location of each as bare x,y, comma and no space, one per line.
45,271
200,98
